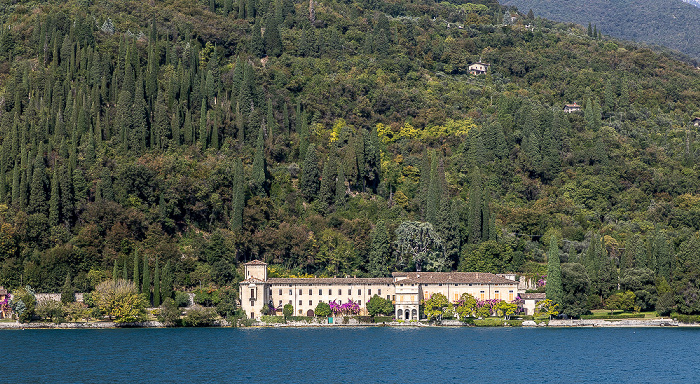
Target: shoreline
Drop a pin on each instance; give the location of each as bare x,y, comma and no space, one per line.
572,323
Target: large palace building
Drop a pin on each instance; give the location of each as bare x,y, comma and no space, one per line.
404,289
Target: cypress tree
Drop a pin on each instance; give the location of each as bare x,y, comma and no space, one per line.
125,275
146,282
15,185
554,285
203,128
166,282
54,207
37,198
137,274
434,191
309,183
156,286
272,128
272,39
475,207
326,193
114,271
380,251
67,291
66,193
340,189
175,126
187,129
257,46
238,198
259,176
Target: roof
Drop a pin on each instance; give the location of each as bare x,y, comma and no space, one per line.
252,280
533,296
452,277
695,119
255,262
574,105
3,292
331,280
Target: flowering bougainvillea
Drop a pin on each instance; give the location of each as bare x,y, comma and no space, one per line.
348,308
5,305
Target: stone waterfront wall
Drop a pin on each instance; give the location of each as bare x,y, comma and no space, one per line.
57,296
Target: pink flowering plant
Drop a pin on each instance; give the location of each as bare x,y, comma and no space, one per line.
348,308
5,304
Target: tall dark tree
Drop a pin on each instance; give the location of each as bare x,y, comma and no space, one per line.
380,251
554,285
309,183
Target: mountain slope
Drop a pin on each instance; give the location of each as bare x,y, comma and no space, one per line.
670,23
203,134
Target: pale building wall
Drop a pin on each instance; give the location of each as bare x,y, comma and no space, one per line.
453,292
305,296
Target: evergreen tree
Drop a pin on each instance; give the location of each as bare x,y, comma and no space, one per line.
156,286
54,200
203,128
340,189
166,282
257,46
434,191
125,275
259,177
554,285
146,282
137,274
67,291
37,198
309,183
114,271
475,207
272,39
380,251
238,195
326,194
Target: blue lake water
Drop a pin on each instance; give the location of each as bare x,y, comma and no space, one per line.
352,355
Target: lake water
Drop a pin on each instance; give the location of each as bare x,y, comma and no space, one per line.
352,355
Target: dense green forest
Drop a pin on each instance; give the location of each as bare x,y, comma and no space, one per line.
670,23
342,137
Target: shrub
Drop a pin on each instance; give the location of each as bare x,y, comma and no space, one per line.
182,299
364,319
23,303
322,309
272,319
77,311
687,319
199,316
169,313
50,310
609,317
383,319
305,319
120,299
227,301
288,310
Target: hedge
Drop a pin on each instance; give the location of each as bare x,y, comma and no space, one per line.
687,319
613,317
272,319
383,319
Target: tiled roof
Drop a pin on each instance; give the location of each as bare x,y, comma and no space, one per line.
3,292
533,296
451,277
332,280
255,262
252,280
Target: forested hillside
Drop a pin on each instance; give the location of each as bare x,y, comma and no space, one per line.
341,138
669,23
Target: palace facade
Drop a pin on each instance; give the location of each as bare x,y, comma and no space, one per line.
404,289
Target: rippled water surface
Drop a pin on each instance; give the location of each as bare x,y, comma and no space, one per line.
353,355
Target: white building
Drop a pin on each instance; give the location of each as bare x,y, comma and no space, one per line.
405,289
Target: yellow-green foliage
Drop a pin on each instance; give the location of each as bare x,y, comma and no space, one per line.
407,131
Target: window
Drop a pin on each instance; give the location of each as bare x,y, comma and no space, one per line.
280,303
440,285
388,297
311,291
393,297
426,295
270,291
497,295
301,292
349,292
280,292
320,292
252,292
340,291
369,292
510,295
359,292
380,292
456,296
299,302
311,302
290,302
481,295
330,292
300,312
290,292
